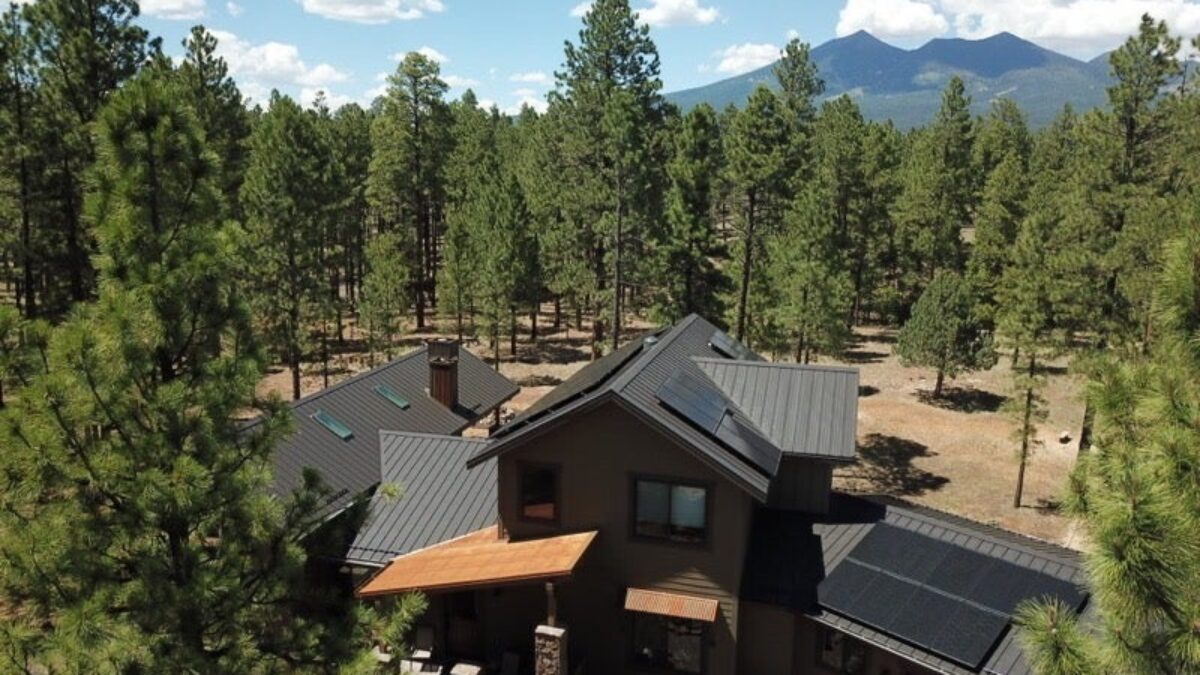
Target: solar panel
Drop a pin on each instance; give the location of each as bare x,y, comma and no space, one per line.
726,345
751,445
393,396
333,424
944,598
699,404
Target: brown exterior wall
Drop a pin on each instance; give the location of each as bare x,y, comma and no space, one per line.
802,485
767,636
598,454
879,661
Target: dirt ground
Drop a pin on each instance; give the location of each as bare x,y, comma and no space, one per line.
957,454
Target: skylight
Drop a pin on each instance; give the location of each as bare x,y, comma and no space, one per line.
333,424
393,396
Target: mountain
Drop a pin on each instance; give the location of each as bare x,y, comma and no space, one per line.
905,85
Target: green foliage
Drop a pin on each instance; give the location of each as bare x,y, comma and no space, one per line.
943,332
282,198
1137,498
1000,214
138,530
385,299
809,275
688,245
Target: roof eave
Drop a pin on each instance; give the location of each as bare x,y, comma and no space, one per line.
538,427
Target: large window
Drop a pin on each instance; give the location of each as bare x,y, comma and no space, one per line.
841,653
670,511
666,643
539,492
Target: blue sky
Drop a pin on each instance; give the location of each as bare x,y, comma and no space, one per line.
507,50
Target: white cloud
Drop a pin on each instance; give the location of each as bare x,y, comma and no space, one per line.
578,11
738,59
793,34
372,11
459,82
1079,27
892,19
254,92
535,77
272,64
426,51
485,103
173,9
538,104
677,13
234,9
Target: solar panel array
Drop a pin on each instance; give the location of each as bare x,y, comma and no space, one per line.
701,403
727,345
944,598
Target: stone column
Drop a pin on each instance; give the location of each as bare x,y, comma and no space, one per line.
550,650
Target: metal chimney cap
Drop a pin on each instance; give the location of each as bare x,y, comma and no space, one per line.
650,340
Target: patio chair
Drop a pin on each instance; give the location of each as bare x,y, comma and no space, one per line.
466,668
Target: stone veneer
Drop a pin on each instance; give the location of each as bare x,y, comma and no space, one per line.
550,650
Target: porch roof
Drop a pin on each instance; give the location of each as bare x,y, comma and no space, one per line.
479,559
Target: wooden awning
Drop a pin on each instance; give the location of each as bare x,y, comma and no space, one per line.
671,604
479,559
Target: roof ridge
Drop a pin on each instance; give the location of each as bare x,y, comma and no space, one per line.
356,377
776,364
648,356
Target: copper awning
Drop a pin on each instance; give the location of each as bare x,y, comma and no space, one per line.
671,604
479,559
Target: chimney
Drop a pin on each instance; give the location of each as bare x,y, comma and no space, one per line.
443,371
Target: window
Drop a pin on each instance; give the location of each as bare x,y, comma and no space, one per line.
667,643
539,492
841,653
670,511
333,424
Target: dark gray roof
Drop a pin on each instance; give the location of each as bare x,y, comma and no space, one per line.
633,381
803,409
351,467
784,568
440,498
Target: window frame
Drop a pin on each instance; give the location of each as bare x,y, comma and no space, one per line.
556,469
848,642
671,481
631,647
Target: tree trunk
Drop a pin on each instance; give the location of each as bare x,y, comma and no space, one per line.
557,312
617,287
937,387
747,259
512,334
1026,432
533,322
1085,430
294,364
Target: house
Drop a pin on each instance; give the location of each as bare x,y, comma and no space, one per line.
670,509
439,388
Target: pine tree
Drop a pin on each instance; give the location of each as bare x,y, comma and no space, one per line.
19,128
1136,497
410,140
282,199
154,544
474,133
385,298
1000,215
85,51
688,245
351,140
220,109
611,147
839,134
807,268
943,332
756,149
877,277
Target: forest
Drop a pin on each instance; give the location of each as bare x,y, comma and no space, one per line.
162,243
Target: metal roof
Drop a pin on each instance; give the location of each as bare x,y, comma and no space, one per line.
803,409
784,568
440,498
351,467
634,384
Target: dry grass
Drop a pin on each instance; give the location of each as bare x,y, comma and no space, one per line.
956,454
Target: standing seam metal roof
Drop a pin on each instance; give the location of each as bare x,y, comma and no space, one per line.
803,409
440,498
351,467
778,570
